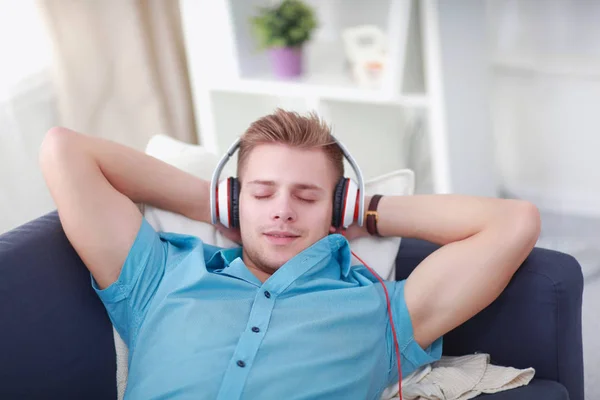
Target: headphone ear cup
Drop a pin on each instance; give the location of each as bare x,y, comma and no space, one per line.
350,204
234,202
223,202
338,202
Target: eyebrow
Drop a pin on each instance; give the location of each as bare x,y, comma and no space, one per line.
301,186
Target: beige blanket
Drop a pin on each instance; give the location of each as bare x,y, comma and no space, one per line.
459,378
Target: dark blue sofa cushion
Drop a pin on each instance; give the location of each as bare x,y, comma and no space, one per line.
56,340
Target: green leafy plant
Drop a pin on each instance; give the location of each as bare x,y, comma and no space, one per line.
288,24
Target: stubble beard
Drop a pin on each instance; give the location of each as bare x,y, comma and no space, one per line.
255,258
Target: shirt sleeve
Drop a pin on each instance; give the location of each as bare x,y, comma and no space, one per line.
412,355
127,298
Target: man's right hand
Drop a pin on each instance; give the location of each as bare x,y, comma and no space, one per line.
95,184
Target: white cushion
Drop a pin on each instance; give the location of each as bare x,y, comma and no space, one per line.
378,253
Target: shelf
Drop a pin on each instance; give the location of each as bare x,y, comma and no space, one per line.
310,87
326,76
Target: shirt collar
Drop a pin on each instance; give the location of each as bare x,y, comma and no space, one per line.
332,251
238,269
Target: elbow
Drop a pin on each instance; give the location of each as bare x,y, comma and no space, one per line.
56,145
526,224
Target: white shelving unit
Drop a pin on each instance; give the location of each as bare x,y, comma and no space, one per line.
232,84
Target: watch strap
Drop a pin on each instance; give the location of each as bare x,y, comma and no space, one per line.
373,216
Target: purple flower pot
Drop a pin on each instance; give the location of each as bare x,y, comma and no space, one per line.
286,61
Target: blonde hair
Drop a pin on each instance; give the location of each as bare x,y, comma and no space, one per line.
294,130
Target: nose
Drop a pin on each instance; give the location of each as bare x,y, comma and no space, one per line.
283,211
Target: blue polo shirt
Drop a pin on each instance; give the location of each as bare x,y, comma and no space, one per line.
200,325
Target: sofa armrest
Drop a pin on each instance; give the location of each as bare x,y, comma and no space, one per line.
535,322
56,339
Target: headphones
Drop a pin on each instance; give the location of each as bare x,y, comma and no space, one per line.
348,197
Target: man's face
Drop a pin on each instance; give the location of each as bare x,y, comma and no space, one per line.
285,203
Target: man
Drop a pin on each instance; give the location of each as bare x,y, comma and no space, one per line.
285,315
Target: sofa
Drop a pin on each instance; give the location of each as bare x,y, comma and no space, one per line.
57,341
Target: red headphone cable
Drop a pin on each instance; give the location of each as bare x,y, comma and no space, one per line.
389,309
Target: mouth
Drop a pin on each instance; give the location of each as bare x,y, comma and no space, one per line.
280,238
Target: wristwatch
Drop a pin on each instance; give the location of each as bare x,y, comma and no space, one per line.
373,216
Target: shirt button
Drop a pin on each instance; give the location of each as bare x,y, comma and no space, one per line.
267,294
241,364
255,329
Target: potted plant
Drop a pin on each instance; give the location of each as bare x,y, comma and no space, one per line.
283,30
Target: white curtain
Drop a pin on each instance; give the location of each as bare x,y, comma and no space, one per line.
121,69
113,68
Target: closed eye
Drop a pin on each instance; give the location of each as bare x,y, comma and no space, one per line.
266,196
306,200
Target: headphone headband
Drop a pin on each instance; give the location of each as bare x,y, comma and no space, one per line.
236,144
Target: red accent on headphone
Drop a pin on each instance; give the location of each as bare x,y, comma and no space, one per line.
217,201
229,220
344,204
356,208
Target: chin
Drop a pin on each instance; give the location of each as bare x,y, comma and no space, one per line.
276,257
290,249
274,254
280,256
